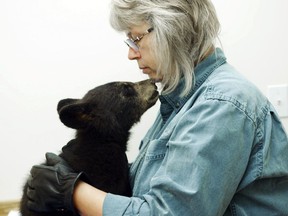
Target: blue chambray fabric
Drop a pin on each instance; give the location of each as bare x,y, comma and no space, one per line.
221,150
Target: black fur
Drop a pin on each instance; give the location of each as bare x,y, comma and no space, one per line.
102,119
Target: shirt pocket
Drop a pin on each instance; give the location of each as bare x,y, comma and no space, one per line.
156,150
148,166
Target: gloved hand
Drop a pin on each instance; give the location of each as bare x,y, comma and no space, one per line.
51,186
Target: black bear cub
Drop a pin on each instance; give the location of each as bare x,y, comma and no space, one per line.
102,119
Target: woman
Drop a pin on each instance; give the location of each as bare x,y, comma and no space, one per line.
217,146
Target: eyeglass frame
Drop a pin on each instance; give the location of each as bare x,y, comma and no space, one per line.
133,43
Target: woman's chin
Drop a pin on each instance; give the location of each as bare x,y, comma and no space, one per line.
155,78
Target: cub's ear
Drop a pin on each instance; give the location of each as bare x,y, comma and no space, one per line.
75,115
66,102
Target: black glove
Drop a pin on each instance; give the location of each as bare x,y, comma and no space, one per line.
51,186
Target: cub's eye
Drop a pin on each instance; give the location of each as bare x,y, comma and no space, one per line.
128,90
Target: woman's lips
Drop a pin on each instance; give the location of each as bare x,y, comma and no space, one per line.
151,74
145,70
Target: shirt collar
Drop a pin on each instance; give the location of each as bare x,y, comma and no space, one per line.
173,101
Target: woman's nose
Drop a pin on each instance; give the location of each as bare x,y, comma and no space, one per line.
132,54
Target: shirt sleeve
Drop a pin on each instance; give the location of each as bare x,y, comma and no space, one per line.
207,154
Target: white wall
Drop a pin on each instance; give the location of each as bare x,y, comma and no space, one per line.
55,49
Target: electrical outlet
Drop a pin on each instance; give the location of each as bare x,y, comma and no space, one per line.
278,96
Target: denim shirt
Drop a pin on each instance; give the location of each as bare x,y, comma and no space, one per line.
221,150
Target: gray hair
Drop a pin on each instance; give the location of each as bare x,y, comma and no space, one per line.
184,31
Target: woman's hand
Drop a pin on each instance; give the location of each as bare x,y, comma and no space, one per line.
51,186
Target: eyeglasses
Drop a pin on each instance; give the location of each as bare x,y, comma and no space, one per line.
133,43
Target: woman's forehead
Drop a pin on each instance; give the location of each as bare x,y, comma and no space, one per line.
137,29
